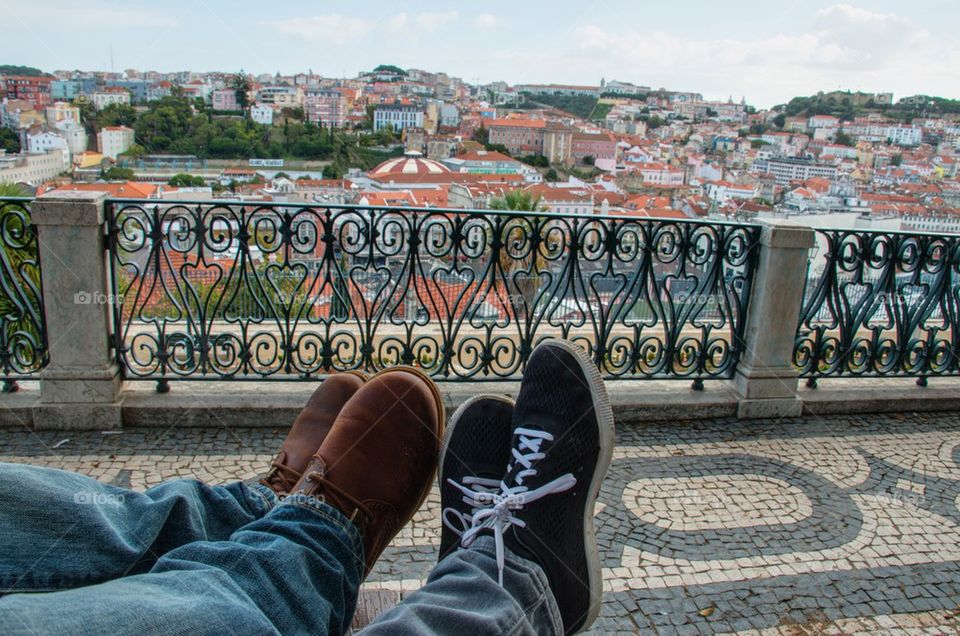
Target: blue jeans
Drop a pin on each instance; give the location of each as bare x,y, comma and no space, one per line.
78,557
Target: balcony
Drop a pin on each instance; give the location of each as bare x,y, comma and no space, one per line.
113,303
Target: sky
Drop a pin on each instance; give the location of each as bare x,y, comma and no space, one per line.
765,51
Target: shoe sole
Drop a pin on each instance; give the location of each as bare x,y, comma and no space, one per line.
455,418
360,374
441,409
605,423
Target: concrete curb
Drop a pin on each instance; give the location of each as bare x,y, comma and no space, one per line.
254,404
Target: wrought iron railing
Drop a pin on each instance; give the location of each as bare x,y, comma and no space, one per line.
880,304
23,337
282,291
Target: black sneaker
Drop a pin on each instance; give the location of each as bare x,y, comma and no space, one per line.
475,451
562,442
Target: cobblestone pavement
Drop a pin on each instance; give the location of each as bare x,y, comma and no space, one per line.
828,525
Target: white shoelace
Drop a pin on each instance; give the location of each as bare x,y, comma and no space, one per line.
493,503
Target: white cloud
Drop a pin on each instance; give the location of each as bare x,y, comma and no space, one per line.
398,22
486,21
843,46
433,20
334,27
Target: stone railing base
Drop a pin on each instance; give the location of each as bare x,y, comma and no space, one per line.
239,405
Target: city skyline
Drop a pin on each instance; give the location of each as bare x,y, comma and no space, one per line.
766,55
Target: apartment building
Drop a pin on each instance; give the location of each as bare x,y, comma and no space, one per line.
519,136
262,114
225,99
44,142
108,97
397,116
601,148
30,168
114,140
786,169
326,107
35,90
60,111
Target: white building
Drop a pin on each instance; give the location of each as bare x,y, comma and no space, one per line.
114,140
75,134
397,116
785,170
823,121
262,114
30,168
108,97
723,191
449,115
905,135
41,143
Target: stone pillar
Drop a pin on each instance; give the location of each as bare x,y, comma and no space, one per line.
766,379
80,387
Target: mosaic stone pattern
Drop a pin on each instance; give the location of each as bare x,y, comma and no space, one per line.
820,525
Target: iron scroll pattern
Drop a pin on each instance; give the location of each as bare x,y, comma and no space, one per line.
280,291
880,304
23,336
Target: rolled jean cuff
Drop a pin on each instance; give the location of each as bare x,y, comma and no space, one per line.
330,514
263,494
534,591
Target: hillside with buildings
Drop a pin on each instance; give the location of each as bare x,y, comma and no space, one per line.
411,137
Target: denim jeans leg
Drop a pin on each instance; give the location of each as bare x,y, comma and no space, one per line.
462,596
60,530
295,571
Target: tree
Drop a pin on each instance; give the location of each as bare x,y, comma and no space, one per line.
780,121
654,122
551,175
333,171
116,173
589,160
9,141
844,139
135,150
390,68
116,115
184,180
896,160
537,161
481,135
27,71
87,113
240,83
295,113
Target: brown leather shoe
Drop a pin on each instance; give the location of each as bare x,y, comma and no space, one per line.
377,464
309,430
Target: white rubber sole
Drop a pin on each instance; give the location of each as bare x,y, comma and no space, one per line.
605,423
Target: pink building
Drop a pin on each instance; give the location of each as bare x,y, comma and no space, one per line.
225,99
602,148
325,107
520,136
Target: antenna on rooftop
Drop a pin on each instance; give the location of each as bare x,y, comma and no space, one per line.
111,57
